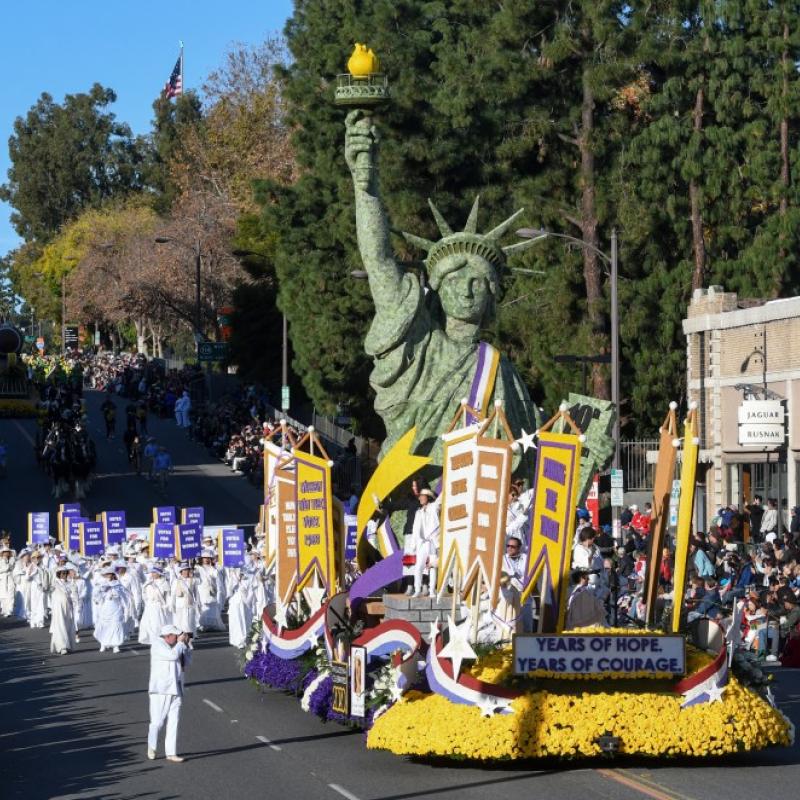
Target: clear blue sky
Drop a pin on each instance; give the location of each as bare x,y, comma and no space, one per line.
64,46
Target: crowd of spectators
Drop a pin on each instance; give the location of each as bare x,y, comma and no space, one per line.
742,571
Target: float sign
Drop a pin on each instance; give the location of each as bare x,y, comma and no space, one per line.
562,656
340,675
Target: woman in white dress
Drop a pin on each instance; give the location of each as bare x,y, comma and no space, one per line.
62,622
109,602
157,612
8,589
38,579
81,600
185,600
131,620
22,598
210,589
240,609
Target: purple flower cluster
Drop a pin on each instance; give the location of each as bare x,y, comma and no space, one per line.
279,673
321,701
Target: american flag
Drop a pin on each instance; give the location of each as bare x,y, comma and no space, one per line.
174,86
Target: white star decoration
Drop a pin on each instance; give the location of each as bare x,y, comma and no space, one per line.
715,693
314,595
487,707
280,616
526,440
458,648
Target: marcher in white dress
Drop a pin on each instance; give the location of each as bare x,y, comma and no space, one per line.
81,600
8,589
38,579
157,611
22,597
208,590
240,610
62,623
185,601
109,602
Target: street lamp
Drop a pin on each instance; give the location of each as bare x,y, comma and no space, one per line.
612,262
198,332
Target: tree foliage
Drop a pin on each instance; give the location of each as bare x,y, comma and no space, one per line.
66,157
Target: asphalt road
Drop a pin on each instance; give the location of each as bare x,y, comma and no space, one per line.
75,726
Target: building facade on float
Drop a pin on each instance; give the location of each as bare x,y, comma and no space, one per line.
743,370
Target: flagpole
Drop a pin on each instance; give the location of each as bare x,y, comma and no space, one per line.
183,84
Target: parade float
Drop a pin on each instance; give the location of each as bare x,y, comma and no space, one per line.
451,674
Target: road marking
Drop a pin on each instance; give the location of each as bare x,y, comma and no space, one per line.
25,433
264,740
342,791
212,705
641,785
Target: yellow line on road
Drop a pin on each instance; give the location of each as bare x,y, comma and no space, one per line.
641,784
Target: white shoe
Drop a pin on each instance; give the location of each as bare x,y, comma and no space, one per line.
409,591
77,639
63,652
151,754
771,658
175,759
102,648
116,649
425,591
417,594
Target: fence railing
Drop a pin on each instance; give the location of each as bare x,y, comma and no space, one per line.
639,473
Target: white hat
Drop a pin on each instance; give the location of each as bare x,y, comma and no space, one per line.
108,571
428,493
184,565
207,554
167,630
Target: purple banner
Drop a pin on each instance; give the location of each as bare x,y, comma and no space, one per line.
232,547
92,539
116,529
163,544
73,525
194,516
39,527
165,515
189,541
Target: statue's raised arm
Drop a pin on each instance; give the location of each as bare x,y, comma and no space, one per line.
372,226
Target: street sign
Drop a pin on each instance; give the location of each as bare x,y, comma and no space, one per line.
617,479
284,398
29,339
212,351
674,499
71,340
617,497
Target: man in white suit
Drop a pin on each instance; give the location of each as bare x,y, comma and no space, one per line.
169,657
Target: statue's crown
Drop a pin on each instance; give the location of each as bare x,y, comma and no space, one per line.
467,241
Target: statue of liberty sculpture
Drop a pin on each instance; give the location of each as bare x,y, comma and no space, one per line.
425,337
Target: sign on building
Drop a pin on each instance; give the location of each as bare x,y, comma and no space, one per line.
761,422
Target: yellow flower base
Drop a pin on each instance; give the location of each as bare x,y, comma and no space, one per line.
564,722
549,724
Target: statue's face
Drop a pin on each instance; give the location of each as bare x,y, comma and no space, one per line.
466,292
